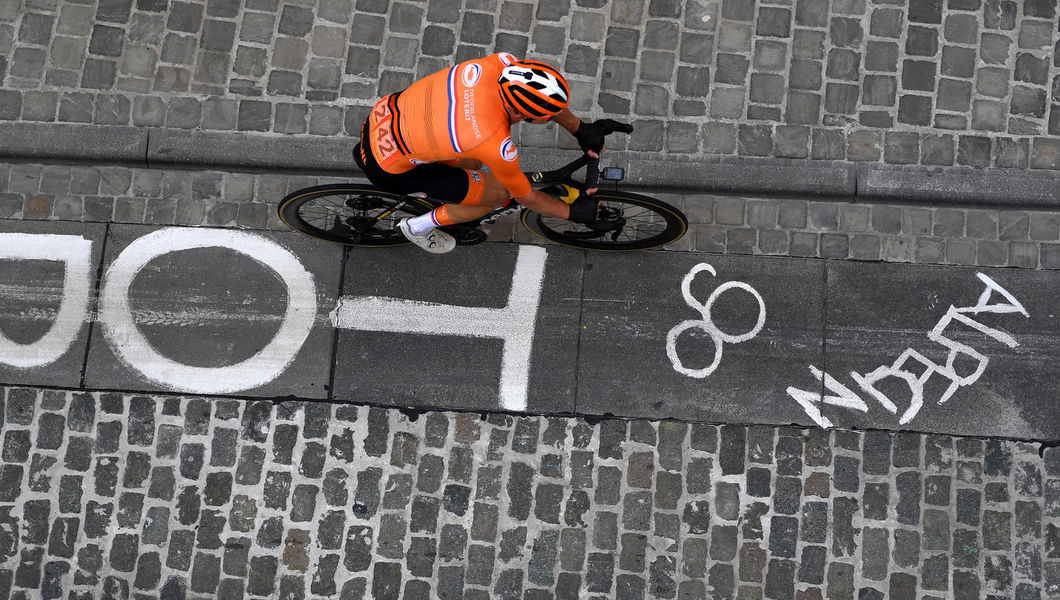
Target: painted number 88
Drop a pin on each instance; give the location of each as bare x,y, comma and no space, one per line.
706,324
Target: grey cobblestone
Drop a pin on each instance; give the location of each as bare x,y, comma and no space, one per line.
915,515
954,516
699,67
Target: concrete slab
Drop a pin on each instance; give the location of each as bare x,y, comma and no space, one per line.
48,275
741,174
64,142
712,173
214,311
423,330
967,186
185,149
634,303
878,312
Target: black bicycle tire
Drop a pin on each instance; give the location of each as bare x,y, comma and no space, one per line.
288,211
676,225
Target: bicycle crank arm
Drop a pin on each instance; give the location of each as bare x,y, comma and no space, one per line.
360,226
393,209
465,234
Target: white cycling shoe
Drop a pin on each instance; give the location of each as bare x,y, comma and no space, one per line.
434,241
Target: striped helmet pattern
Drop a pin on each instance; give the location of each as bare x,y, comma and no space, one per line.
534,89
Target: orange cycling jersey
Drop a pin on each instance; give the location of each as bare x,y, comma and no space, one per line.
454,113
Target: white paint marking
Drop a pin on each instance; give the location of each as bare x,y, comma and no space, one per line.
901,368
992,286
958,314
916,382
75,252
846,397
897,369
514,324
957,348
133,349
810,401
706,324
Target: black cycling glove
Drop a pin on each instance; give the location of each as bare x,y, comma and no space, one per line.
583,209
590,136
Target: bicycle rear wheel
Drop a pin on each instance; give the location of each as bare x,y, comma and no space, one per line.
350,214
642,223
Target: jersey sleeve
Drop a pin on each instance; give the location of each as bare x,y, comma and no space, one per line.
502,157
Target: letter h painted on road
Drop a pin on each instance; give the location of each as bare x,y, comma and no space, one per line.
514,324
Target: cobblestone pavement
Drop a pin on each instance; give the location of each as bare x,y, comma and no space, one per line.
130,496
109,495
719,223
962,82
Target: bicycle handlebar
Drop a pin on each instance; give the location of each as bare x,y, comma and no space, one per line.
592,171
592,165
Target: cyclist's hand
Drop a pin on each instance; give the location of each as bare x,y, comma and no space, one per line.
590,137
611,125
583,210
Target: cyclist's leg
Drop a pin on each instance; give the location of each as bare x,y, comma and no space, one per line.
493,195
474,204
469,194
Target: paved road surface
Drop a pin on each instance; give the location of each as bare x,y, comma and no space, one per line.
551,330
236,490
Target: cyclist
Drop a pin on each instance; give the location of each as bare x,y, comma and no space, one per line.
435,137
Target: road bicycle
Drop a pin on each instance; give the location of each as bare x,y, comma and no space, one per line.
364,215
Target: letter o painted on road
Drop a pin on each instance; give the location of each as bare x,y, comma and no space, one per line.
75,252
133,349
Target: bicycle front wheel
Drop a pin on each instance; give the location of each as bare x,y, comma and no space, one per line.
350,214
642,223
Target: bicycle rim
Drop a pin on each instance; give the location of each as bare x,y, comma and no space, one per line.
650,223
352,215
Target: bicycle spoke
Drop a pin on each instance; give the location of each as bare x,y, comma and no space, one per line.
330,202
640,223
349,214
